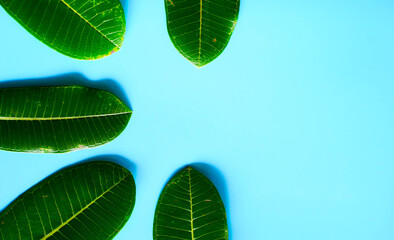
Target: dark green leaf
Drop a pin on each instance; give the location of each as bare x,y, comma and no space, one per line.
88,201
201,29
82,29
59,119
190,208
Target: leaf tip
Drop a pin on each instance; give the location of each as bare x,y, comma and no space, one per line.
189,169
199,64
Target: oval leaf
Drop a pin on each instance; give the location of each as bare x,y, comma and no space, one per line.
190,208
88,201
82,29
59,119
200,29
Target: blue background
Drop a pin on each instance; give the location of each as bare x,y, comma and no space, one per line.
294,122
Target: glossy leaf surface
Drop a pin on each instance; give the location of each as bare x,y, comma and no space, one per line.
201,29
190,208
59,119
88,201
82,29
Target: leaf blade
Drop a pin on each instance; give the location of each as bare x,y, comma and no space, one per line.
61,205
199,29
81,29
190,208
59,119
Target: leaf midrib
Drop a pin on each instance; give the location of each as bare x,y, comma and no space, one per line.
83,209
61,118
191,206
200,34
72,9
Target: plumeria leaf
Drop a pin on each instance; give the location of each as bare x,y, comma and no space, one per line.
81,29
201,29
190,208
59,119
87,201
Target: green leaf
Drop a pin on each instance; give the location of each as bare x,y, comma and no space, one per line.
190,208
87,201
81,29
59,119
201,29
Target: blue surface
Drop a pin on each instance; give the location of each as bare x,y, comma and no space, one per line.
294,122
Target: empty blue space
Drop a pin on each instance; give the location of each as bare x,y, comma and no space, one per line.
294,122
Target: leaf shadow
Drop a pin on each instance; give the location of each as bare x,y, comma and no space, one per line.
125,5
218,179
70,79
122,161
